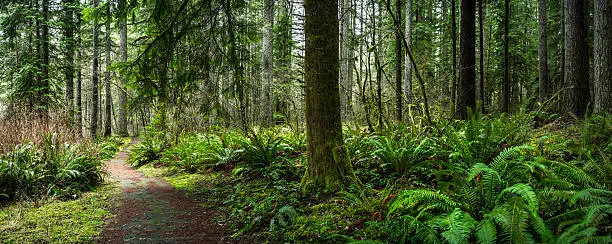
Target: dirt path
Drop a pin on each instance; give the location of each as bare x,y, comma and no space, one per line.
149,210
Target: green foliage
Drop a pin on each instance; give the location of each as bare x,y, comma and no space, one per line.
64,171
146,151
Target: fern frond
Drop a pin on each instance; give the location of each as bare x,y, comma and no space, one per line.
486,232
422,199
525,192
457,226
500,162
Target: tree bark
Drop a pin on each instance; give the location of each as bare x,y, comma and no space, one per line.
398,65
506,82
444,51
268,61
543,51
69,57
481,40
466,96
79,79
122,124
603,57
329,166
576,57
107,77
454,50
94,80
45,88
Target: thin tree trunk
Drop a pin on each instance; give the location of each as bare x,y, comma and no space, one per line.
268,61
444,51
576,57
466,97
481,40
94,80
107,77
506,82
122,123
542,51
454,43
329,166
78,97
45,81
398,65
69,57
603,56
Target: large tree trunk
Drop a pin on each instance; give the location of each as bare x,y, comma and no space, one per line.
93,129
268,61
69,57
506,82
107,77
542,51
329,166
481,40
466,96
45,81
603,56
576,57
122,129
398,64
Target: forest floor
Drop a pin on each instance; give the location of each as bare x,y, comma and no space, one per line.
150,210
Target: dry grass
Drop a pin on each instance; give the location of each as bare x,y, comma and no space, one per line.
19,125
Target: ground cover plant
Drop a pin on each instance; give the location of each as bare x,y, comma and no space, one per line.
487,179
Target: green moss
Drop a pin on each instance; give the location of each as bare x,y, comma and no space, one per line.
75,221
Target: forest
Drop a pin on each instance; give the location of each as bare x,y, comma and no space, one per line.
305,121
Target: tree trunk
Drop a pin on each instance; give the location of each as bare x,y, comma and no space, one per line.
107,77
45,81
454,43
603,56
398,64
122,129
506,83
576,57
268,61
329,166
543,51
444,53
237,68
78,97
481,40
69,57
466,96
94,80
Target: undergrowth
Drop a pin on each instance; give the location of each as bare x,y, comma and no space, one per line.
486,180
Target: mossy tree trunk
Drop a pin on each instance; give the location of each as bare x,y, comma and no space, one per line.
329,166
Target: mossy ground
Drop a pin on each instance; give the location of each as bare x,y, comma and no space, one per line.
55,221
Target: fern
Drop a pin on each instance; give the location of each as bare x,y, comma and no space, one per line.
486,232
457,226
422,199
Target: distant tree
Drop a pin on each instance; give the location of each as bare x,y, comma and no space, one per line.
506,82
398,65
542,51
68,40
107,76
329,166
93,129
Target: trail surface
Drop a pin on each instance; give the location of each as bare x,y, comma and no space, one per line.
149,210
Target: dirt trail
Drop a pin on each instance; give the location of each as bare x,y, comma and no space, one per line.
149,210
